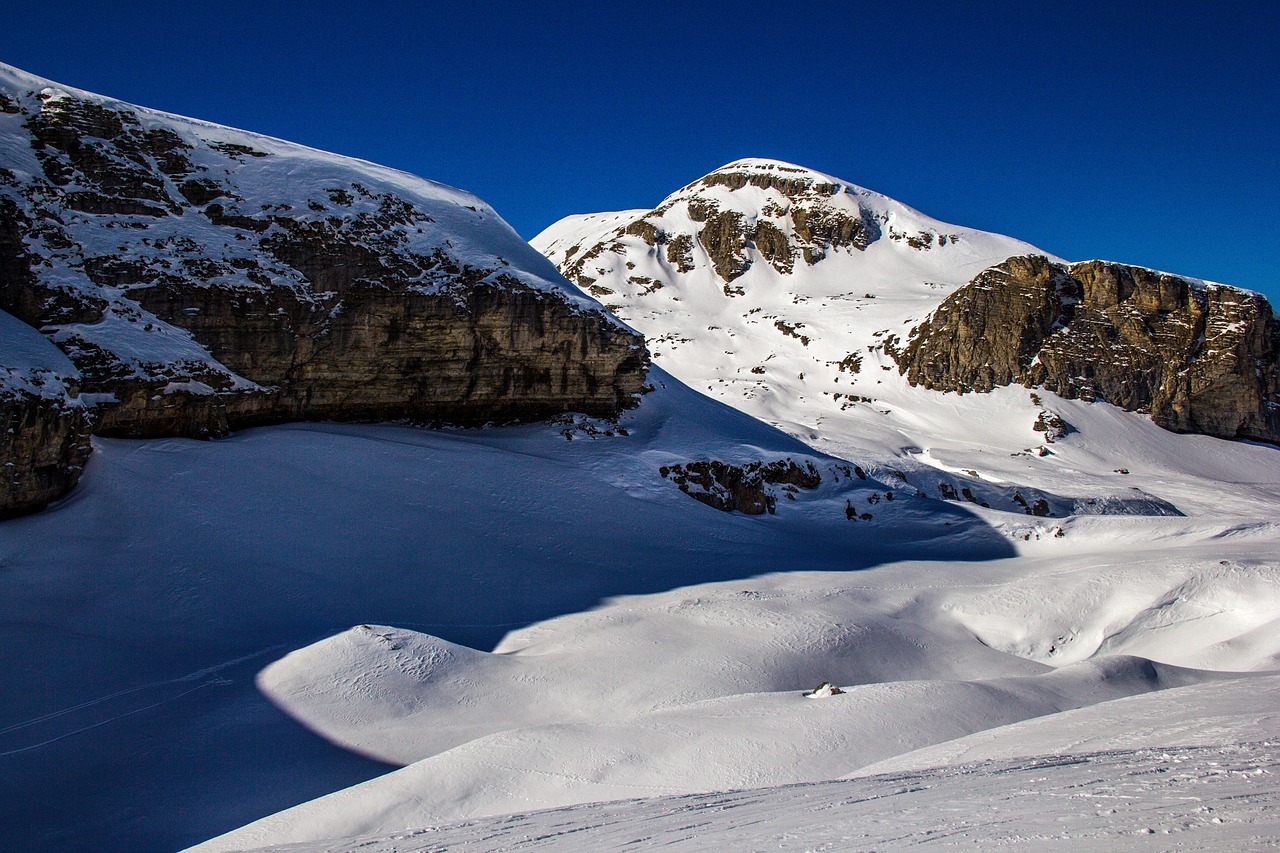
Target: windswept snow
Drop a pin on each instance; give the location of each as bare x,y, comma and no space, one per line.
531,617
1109,777
1141,568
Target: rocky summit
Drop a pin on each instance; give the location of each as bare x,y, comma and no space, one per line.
201,279
801,298
1198,357
807,216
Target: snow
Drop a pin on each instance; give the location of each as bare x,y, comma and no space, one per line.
851,302
377,630
30,364
1152,583
144,603
633,618
286,177
1064,782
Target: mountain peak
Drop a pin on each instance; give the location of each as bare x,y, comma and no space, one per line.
765,164
790,180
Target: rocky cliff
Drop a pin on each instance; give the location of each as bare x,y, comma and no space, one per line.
44,427
201,278
1198,357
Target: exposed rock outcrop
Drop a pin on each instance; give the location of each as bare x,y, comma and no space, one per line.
44,428
44,444
202,279
751,489
803,217
1198,357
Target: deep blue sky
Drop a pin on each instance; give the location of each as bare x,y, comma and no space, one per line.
1139,132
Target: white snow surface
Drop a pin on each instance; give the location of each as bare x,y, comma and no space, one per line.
530,618
1189,768
701,688
30,364
1153,576
278,176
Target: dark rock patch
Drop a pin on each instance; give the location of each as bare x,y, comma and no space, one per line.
1198,358
742,488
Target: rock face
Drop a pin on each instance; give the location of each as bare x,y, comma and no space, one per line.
202,279
806,216
45,444
44,428
1198,357
743,488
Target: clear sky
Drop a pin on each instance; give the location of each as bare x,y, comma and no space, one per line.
1140,132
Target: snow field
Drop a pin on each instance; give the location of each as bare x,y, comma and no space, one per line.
1156,547
1182,769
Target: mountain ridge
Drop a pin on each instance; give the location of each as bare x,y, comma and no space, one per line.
748,230
203,278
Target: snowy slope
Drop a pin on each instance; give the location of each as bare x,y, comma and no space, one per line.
777,344
276,173
30,364
564,625
585,718
1083,779
139,610
1126,540
1087,778
569,585
804,348
737,742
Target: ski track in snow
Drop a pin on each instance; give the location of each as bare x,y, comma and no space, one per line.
151,686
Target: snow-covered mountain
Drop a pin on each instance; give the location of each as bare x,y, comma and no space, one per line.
323,631
202,278
794,296
815,276
787,294
774,287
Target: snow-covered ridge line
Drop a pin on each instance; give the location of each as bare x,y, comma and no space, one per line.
203,278
793,294
15,79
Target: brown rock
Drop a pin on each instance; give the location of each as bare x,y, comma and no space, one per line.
210,302
1198,358
44,444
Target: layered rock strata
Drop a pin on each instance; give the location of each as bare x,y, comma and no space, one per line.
1198,357
202,279
44,427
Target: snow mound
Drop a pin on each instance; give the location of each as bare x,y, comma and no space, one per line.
739,742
